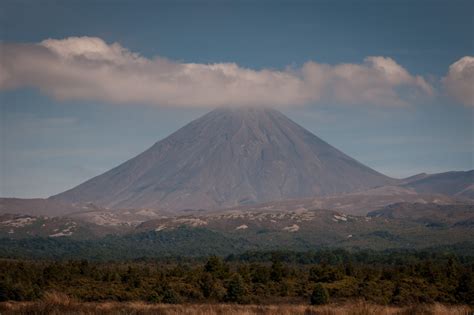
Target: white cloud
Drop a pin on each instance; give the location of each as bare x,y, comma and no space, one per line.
91,48
459,82
87,68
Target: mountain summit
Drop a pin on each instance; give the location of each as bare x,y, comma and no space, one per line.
228,157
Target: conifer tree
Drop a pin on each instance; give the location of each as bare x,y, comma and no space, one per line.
236,290
320,295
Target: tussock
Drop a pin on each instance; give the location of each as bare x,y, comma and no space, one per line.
57,303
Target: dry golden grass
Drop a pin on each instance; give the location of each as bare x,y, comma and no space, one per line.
59,304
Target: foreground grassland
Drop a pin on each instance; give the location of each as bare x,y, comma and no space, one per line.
57,303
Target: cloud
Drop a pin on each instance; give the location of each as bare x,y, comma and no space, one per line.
459,82
87,68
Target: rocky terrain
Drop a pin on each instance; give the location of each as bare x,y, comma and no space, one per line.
17,226
402,225
430,214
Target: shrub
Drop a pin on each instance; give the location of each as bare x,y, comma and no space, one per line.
320,295
170,297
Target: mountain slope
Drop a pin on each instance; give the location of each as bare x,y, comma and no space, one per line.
228,157
38,206
459,183
429,214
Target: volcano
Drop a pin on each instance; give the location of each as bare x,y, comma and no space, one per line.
226,158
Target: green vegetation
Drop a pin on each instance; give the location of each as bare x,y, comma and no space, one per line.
396,278
194,242
320,295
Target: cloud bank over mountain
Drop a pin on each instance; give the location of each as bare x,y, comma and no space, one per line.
88,68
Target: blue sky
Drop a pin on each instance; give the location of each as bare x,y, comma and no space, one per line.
51,143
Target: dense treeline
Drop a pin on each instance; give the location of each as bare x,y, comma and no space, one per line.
183,241
317,278
338,256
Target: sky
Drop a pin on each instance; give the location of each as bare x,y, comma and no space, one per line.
87,85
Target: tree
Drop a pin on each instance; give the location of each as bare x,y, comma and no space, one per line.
260,274
349,269
216,267
170,296
207,284
5,289
397,296
277,271
465,288
236,290
320,295
153,297
325,273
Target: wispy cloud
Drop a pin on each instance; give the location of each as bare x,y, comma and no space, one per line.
459,81
88,68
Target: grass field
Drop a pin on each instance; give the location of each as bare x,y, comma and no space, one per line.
57,303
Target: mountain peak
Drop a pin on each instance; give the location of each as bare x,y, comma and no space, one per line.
228,157
249,114
244,109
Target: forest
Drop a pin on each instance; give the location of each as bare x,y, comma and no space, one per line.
280,277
